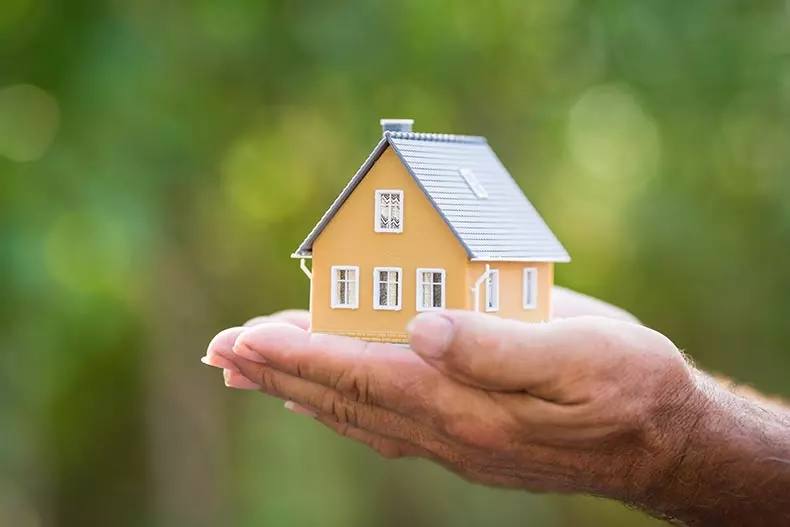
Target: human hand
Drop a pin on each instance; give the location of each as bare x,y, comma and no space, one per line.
576,405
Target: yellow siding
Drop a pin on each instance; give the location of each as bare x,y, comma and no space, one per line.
350,239
511,284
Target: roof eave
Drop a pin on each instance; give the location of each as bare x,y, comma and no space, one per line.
559,259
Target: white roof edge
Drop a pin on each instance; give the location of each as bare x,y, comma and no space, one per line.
298,256
523,260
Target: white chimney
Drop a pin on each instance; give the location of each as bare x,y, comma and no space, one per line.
396,125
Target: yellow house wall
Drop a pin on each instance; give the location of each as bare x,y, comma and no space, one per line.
511,283
350,239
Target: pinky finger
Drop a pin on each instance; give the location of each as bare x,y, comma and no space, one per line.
387,447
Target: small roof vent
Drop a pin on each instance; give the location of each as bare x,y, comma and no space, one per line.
396,125
474,183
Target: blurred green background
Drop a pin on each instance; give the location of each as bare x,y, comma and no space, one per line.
159,161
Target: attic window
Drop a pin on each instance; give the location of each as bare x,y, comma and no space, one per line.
389,211
473,183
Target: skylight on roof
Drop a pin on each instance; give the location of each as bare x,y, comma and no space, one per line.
473,183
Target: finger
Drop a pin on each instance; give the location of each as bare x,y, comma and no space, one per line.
547,422
222,343
327,401
377,374
566,303
296,317
234,379
542,359
386,446
299,409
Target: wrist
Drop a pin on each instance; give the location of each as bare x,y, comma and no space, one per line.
671,432
727,463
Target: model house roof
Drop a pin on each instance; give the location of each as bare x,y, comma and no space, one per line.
471,190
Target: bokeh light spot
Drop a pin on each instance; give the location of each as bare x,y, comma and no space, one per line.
265,177
29,120
611,136
90,253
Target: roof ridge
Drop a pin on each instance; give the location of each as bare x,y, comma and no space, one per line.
443,138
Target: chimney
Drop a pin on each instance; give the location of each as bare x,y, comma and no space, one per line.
396,125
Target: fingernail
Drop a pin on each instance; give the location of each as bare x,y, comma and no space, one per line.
237,380
430,333
298,409
219,362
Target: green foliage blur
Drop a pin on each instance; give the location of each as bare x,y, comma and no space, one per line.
159,161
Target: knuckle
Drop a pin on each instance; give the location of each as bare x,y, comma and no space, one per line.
343,429
341,410
266,378
355,384
325,402
299,368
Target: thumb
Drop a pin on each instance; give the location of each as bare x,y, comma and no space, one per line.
498,354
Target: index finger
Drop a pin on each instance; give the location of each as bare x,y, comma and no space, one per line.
373,373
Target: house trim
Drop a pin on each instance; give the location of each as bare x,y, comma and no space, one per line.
476,289
509,259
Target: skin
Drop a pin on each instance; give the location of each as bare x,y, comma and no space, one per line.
591,402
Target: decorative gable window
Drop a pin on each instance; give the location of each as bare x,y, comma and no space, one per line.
387,287
345,287
430,289
389,211
474,184
492,290
530,287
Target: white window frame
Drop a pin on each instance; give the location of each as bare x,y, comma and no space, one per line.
492,274
420,284
530,277
377,213
333,283
377,282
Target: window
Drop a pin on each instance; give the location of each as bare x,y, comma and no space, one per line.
387,288
530,288
474,183
345,287
430,289
389,211
492,290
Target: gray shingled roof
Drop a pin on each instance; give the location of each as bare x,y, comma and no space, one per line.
505,226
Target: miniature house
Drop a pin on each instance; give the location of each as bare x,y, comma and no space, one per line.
430,221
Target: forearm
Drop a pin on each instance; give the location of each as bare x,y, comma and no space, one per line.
734,465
